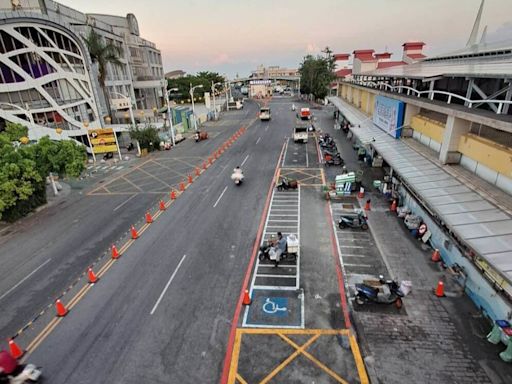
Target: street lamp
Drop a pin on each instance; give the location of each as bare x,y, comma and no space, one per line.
169,113
192,97
213,93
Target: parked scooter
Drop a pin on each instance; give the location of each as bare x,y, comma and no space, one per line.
271,246
285,184
357,220
367,293
333,159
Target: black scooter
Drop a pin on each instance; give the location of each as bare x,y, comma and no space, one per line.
369,294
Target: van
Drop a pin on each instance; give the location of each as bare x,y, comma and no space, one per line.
300,132
265,114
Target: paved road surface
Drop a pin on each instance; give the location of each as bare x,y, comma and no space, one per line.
162,313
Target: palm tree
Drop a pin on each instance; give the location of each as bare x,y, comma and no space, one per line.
102,54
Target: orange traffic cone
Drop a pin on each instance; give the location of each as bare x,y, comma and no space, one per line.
92,277
189,179
161,206
115,253
173,195
436,256
210,160
61,309
149,219
393,206
198,171
247,298
134,233
16,352
204,164
439,292
182,186
361,193
367,206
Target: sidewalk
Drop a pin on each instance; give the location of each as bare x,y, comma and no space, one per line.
431,339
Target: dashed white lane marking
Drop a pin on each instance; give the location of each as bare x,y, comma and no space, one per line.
167,285
220,197
25,278
124,202
257,141
243,162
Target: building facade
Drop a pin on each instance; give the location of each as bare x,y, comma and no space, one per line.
47,77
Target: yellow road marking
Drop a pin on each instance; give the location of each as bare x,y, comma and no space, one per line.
323,176
79,296
130,182
236,355
240,379
315,360
105,267
289,359
361,370
154,177
43,335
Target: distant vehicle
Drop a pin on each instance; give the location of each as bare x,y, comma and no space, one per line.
265,114
305,114
300,132
235,104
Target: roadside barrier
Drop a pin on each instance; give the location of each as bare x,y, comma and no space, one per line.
115,253
15,351
439,292
91,276
61,309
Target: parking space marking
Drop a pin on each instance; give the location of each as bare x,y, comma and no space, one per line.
315,335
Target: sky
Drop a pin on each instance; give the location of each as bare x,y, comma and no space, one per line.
235,36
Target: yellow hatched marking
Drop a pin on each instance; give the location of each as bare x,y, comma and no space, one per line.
361,370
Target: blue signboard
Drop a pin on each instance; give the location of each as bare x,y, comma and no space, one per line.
388,115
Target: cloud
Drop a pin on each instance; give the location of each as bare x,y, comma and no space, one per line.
503,32
221,58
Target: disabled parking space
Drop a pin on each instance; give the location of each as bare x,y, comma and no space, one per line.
275,308
298,356
157,175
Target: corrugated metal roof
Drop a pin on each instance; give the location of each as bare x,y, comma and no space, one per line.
474,220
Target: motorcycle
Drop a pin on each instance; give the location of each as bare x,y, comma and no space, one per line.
333,159
13,373
358,220
293,107
285,184
391,293
237,176
267,249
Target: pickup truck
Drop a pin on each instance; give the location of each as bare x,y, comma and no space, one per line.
300,132
305,114
265,114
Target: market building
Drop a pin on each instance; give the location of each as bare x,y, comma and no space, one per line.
442,128
48,81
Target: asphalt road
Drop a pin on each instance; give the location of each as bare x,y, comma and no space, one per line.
162,314
46,252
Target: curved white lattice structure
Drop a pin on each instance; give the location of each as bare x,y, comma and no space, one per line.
44,71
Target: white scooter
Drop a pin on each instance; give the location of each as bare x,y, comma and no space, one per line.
237,176
293,107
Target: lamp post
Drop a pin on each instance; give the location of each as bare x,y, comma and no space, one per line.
169,113
213,94
192,97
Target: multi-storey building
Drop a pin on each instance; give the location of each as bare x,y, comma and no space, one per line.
47,77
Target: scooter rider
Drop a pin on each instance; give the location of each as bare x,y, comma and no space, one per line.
281,248
8,364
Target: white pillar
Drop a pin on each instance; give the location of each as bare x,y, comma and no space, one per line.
455,128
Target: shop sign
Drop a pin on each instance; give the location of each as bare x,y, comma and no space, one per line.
103,140
388,115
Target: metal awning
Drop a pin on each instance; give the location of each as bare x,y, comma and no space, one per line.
477,222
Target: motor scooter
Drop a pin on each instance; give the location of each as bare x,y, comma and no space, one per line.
358,220
285,184
367,293
333,159
237,176
267,248
293,107
13,373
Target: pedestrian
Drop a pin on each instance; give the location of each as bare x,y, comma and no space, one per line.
281,248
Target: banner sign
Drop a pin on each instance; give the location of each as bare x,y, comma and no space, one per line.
120,103
260,82
388,115
103,140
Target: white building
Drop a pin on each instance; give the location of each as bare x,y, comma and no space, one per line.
47,78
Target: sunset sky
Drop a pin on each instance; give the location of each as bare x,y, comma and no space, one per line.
234,36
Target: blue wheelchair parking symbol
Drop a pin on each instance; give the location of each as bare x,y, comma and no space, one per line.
276,306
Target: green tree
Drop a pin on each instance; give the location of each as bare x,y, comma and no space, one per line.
317,73
183,84
147,137
103,53
15,131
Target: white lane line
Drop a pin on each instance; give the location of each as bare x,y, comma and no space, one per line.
257,141
359,265
26,277
307,157
220,197
285,150
124,202
167,285
243,162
